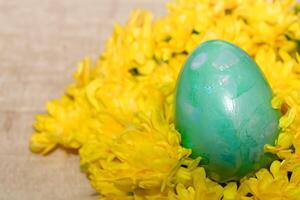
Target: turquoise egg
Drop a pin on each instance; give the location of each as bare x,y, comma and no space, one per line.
223,111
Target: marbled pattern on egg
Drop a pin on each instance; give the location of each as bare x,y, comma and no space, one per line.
223,111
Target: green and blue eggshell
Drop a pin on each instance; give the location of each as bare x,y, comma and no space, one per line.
223,111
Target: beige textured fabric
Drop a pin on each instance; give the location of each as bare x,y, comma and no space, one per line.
40,45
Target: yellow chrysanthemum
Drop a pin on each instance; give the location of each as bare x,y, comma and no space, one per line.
118,114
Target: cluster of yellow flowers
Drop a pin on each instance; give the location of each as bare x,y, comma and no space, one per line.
119,112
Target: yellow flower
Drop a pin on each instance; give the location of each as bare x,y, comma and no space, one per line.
191,183
118,114
275,184
138,157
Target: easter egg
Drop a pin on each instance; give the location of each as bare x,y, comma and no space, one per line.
223,111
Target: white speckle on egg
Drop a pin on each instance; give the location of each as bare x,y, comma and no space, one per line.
198,60
228,104
225,60
223,80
